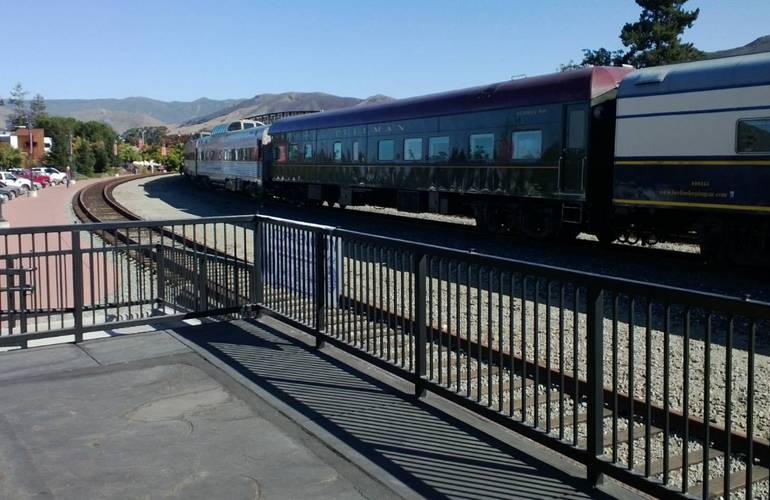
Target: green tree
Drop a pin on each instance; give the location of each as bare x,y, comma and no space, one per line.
653,40
153,136
174,157
19,114
102,157
10,157
128,153
84,158
37,109
61,131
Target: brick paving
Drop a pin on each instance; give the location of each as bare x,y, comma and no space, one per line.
52,206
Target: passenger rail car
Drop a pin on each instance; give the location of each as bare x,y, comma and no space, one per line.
692,155
523,154
677,153
231,157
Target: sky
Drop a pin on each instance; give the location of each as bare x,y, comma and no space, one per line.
186,49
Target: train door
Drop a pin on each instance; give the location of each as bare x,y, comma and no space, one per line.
574,154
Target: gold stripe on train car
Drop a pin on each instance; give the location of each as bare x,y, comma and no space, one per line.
747,162
750,208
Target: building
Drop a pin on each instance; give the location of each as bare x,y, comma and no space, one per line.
32,142
10,139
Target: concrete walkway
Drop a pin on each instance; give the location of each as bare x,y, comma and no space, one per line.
246,410
141,416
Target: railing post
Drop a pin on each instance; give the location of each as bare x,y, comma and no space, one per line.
319,287
256,286
77,284
419,264
203,298
11,284
595,380
161,276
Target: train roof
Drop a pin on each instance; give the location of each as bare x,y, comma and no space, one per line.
567,86
235,137
710,74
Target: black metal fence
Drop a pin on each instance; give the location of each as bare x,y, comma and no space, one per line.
665,389
70,281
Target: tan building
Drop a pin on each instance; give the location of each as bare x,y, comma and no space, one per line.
35,136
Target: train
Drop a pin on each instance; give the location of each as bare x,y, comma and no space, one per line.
670,153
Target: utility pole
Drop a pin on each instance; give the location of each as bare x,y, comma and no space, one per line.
29,133
69,153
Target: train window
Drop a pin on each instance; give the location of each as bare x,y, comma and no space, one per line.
482,147
413,149
337,151
293,152
576,131
438,148
355,152
385,150
308,151
527,145
753,136
280,155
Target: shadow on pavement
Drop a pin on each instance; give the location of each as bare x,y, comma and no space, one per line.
431,452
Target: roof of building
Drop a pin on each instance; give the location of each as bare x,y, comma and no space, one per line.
568,86
710,74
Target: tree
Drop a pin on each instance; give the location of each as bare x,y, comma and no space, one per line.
37,109
128,153
61,130
102,157
153,136
174,157
19,114
84,158
10,157
653,40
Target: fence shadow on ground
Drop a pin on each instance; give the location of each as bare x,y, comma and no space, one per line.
433,453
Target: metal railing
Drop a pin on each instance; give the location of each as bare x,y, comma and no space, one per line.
72,280
665,389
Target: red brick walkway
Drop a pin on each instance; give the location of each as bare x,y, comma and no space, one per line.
51,207
52,275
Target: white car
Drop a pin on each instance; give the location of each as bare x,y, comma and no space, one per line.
11,180
52,173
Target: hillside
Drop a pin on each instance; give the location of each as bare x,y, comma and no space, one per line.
761,44
268,103
131,112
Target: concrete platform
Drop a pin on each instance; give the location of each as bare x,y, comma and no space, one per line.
246,410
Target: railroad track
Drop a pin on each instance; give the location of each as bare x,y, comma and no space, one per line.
463,366
96,203
614,250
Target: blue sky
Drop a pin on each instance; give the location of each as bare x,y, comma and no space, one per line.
185,49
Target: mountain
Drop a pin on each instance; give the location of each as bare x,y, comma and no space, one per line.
131,112
269,103
761,44
188,117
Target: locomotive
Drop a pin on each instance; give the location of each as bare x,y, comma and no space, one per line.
675,153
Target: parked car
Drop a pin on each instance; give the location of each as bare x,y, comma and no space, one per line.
38,180
10,192
11,180
55,175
